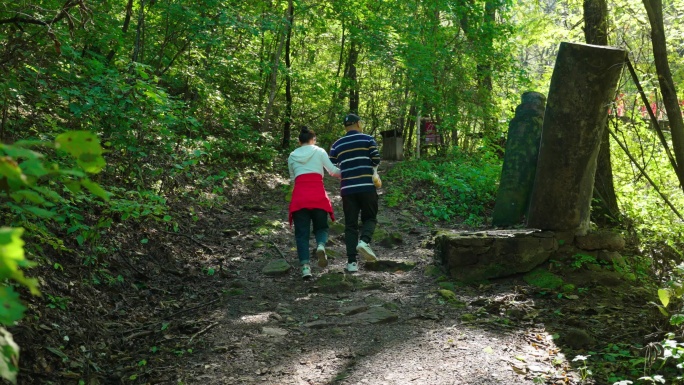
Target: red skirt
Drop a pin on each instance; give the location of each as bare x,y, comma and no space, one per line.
309,193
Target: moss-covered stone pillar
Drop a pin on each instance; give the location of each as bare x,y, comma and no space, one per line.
582,87
520,161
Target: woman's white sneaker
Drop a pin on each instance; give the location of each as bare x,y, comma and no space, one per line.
306,271
322,257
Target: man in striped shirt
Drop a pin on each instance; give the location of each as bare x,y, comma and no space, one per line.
356,154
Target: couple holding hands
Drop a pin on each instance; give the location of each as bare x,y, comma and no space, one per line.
354,158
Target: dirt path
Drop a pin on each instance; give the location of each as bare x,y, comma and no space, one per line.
196,308
375,327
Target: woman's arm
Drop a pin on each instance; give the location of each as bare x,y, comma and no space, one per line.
329,166
290,167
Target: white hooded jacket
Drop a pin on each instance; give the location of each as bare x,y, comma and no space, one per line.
310,159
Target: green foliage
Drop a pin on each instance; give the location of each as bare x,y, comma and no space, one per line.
447,189
31,183
614,363
664,361
57,302
579,260
11,259
543,278
650,220
181,110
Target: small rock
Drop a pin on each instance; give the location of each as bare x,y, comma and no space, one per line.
391,266
230,233
537,368
611,257
376,315
351,310
603,240
318,324
578,339
275,332
277,267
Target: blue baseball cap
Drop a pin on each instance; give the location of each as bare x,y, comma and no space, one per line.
351,119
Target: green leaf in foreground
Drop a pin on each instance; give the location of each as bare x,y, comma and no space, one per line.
95,189
85,147
12,258
11,309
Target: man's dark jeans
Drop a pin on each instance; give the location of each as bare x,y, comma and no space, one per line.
302,220
365,203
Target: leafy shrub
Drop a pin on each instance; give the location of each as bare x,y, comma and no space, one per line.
454,187
29,184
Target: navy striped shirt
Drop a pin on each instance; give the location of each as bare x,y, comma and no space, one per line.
355,154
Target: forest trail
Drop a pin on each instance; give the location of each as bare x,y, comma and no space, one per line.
195,307
387,326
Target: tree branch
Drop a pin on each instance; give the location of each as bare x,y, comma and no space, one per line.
30,20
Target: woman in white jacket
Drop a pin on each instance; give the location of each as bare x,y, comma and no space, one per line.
310,203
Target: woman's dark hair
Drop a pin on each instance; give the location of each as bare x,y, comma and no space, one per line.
305,135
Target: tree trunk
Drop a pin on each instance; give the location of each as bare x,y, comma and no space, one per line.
274,82
338,95
654,8
480,34
583,83
3,124
605,210
124,28
288,80
139,39
411,122
351,78
484,71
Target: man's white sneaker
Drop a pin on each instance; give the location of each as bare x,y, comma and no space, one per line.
306,271
366,252
353,267
322,257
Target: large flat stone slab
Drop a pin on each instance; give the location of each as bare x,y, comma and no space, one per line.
472,256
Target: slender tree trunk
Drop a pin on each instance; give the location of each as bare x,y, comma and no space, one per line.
605,209
402,112
5,109
654,8
287,126
274,82
351,78
484,70
124,28
338,95
411,121
137,49
483,41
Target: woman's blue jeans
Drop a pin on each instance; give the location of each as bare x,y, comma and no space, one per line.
303,219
